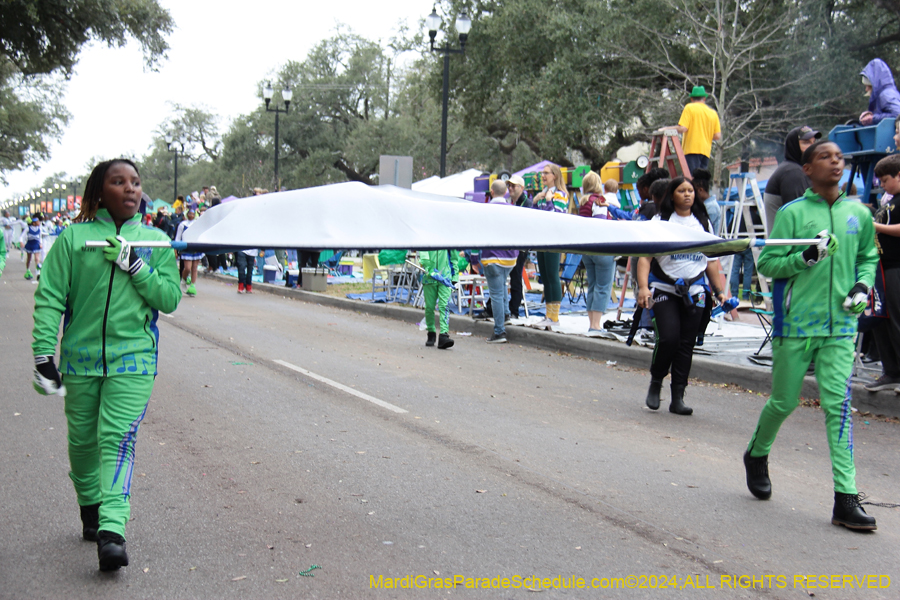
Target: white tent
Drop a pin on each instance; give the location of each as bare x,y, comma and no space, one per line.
455,185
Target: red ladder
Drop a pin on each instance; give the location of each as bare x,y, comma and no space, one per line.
665,150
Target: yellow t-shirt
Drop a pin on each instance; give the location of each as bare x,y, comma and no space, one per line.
702,124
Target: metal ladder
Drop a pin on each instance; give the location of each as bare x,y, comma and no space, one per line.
742,215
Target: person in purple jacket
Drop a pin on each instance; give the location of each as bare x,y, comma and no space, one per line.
884,99
497,266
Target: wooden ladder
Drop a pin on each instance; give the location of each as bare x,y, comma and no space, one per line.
666,153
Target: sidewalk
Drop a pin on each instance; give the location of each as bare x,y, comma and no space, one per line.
705,368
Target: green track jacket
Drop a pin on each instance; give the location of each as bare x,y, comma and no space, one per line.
110,317
807,300
438,260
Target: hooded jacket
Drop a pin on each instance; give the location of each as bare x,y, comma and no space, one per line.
788,182
884,103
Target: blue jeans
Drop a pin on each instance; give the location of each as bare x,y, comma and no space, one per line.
715,214
600,270
696,161
744,259
496,279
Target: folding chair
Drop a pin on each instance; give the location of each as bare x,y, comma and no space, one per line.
384,280
332,263
571,269
469,290
759,300
412,283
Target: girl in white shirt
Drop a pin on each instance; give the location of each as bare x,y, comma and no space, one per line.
677,288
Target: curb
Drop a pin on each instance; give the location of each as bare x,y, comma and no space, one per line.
756,379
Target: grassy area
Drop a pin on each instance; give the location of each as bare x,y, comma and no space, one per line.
342,289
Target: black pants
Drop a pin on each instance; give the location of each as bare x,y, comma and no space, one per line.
887,333
516,293
217,260
676,327
245,266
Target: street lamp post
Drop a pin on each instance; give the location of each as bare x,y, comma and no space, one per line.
463,25
179,143
59,202
286,95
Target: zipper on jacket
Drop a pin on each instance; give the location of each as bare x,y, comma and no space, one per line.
831,266
112,275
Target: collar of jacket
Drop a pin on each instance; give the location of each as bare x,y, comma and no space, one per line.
814,197
103,216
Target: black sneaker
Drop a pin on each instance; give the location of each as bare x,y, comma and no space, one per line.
444,341
90,522
497,339
111,551
432,336
758,482
850,514
884,382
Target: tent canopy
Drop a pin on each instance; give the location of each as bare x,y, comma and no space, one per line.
455,185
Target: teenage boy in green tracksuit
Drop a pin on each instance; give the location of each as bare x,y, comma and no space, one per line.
110,299
819,292
440,276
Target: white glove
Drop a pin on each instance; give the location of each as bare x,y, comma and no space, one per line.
120,252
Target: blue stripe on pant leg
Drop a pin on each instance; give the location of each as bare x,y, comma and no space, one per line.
846,421
126,455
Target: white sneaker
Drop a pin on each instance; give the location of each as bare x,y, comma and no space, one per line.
545,324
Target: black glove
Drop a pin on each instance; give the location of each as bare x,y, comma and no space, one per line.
47,380
828,245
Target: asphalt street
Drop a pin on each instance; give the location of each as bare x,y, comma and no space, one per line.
282,434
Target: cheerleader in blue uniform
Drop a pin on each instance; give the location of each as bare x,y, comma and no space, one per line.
191,260
31,239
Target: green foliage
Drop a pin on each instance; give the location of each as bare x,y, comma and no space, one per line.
41,37
577,79
39,44
30,114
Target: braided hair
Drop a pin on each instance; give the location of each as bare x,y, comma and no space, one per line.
93,189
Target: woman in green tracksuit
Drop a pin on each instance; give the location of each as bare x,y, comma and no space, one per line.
110,299
819,292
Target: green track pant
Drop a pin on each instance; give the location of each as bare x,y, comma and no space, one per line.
833,357
437,294
103,415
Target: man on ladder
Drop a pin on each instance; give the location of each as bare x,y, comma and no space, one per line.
700,126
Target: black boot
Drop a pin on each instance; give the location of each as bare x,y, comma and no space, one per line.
850,514
677,406
653,394
444,341
758,482
90,522
111,551
431,337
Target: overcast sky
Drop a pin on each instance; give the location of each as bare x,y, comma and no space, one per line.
218,53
